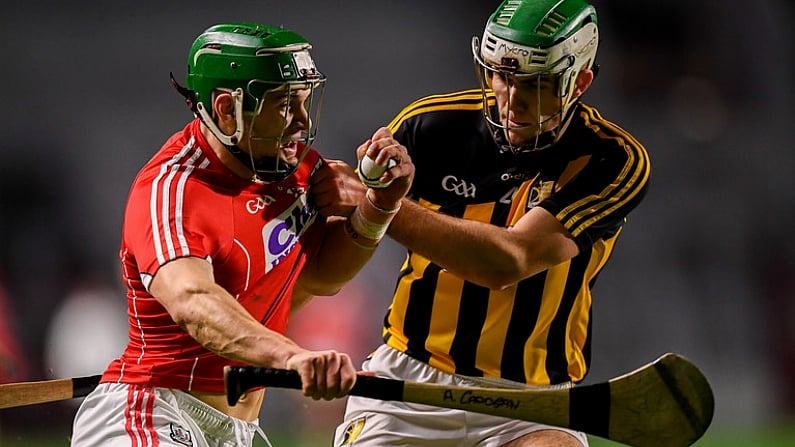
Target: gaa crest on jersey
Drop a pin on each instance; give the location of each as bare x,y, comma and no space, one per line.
539,191
459,187
280,235
254,206
180,435
352,431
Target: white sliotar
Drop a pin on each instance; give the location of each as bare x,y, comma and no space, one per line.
370,172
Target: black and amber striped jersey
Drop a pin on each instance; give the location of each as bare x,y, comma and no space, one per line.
537,331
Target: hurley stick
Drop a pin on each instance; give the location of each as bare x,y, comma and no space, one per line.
28,393
666,403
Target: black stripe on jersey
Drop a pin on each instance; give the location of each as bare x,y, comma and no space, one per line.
419,308
406,270
472,314
524,315
463,100
556,362
621,191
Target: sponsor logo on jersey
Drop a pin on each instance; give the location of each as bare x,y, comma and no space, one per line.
461,188
180,435
281,234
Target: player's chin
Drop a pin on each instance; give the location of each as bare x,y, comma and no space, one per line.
521,137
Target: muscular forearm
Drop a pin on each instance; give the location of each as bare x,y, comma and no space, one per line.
186,288
488,255
205,310
220,324
337,261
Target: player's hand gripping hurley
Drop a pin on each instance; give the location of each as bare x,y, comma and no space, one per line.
666,403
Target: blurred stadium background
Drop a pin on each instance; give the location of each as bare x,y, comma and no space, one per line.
705,267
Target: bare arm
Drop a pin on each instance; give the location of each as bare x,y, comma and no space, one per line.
485,254
336,192
335,264
186,288
489,255
301,297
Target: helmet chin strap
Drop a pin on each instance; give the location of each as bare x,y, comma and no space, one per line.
230,142
226,140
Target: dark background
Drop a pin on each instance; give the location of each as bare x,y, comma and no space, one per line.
705,267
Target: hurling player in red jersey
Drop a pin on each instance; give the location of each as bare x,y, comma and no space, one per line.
233,221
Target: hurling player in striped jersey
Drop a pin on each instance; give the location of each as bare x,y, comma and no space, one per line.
225,227
520,193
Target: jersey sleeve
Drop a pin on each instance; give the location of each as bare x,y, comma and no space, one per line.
596,202
166,219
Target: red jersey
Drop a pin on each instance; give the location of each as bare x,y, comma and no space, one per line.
185,202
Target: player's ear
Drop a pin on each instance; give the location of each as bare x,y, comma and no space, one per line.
224,106
583,81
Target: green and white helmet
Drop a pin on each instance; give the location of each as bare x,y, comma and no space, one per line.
536,38
248,60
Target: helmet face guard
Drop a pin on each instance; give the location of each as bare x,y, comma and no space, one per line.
272,168
543,90
538,47
256,64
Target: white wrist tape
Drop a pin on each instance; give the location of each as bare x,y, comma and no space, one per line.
388,211
367,228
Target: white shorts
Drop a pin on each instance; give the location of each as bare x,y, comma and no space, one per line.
371,422
121,415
